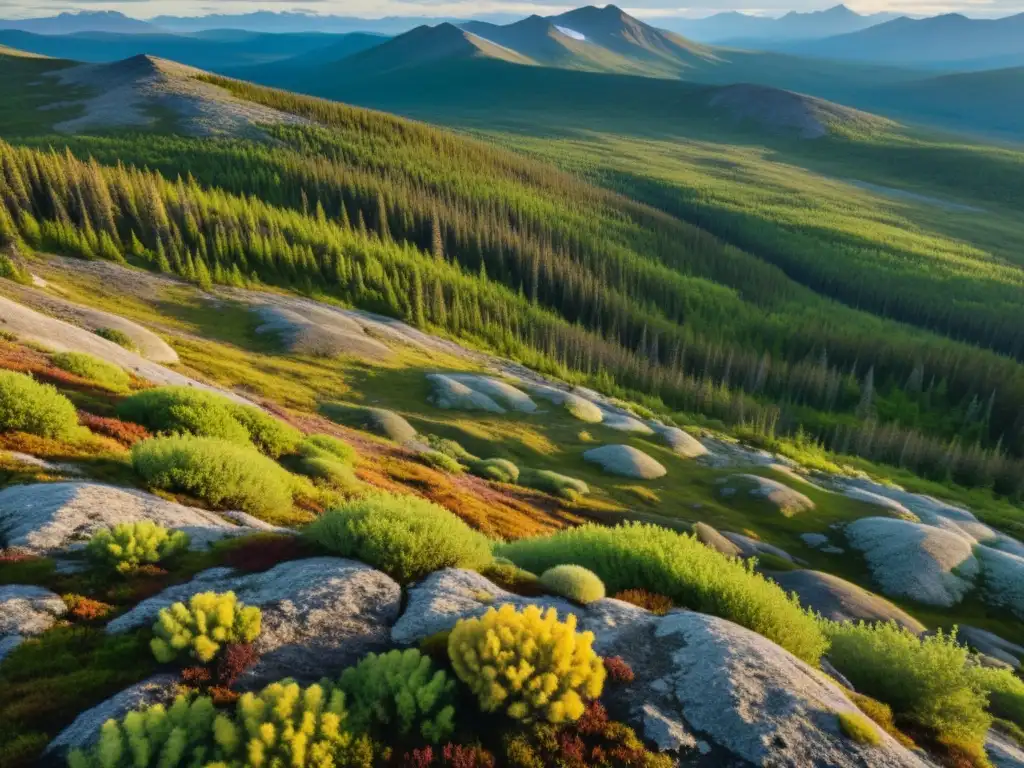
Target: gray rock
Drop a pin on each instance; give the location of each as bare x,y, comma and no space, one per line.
499,391
992,645
625,461
682,443
622,422
319,614
8,643
709,537
320,331
1003,582
51,518
814,540
839,600
749,547
85,730
1003,751
28,610
579,407
378,421
449,394
783,498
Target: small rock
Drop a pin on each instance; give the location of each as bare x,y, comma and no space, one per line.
752,547
499,391
378,421
682,444
622,423
625,461
449,394
814,540
28,610
709,537
782,497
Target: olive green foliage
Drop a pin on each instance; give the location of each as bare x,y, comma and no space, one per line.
574,582
1005,693
450,448
498,470
120,338
184,410
329,460
219,472
200,628
527,664
162,737
11,270
105,374
326,446
563,486
404,536
401,692
639,556
926,681
38,409
859,728
440,461
126,546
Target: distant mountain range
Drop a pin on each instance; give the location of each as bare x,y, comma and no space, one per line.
735,28
951,42
86,21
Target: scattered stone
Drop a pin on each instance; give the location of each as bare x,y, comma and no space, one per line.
320,331
814,540
839,600
991,644
749,547
920,562
709,537
378,421
625,461
319,614
1003,579
621,422
85,730
682,443
499,391
782,497
55,518
449,394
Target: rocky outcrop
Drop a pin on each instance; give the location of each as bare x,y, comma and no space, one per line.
682,443
377,421
783,498
53,518
449,394
26,611
991,645
622,422
319,614
625,461
320,331
499,391
1003,582
920,562
839,600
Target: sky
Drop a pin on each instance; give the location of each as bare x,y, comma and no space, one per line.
474,8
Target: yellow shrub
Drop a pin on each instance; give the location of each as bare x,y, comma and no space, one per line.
527,663
200,628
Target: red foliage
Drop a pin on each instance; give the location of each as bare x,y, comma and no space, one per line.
196,677
651,601
223,697
263,551
459,756
593,721
618,669
234,659
85,608
17,557
124,432
419,758
572,750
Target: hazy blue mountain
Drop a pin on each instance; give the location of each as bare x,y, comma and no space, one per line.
740,28
84,21
269,21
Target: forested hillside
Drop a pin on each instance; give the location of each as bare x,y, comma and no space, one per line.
459,236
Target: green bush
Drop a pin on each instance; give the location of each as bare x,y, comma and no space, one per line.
925,680
92,368
200,628
563,486
573,582
404,536
527,663
219,472
120,338
450,448
38,409
498,470
440,461
859,728
326,446
126,546
1005,693
336,475
402,691
182,735
640,556
184,410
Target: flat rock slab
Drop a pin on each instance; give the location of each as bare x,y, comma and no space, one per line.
321,332
625,461
920,562
991,644
891,506
54,518
499,391
839,600
319,614
780,496
26,611
85,730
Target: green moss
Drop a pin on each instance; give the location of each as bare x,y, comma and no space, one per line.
573,582
859,728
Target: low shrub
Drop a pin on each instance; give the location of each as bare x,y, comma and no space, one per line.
498,470
105,374
637,555
38,409
404,536
217,471
261,551
120,338
449,756
125,432
513,578
450,448
657,604
1005,692
618,670
573,582
332,473
326,446
233,660
402,691
527,664
440,461
83,608
858,728
562,486
926,681
200,628
189,411
126,546
881,715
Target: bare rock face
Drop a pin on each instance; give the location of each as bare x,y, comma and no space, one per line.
927,564
319,614
26,611
320,331
625,461
54,518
